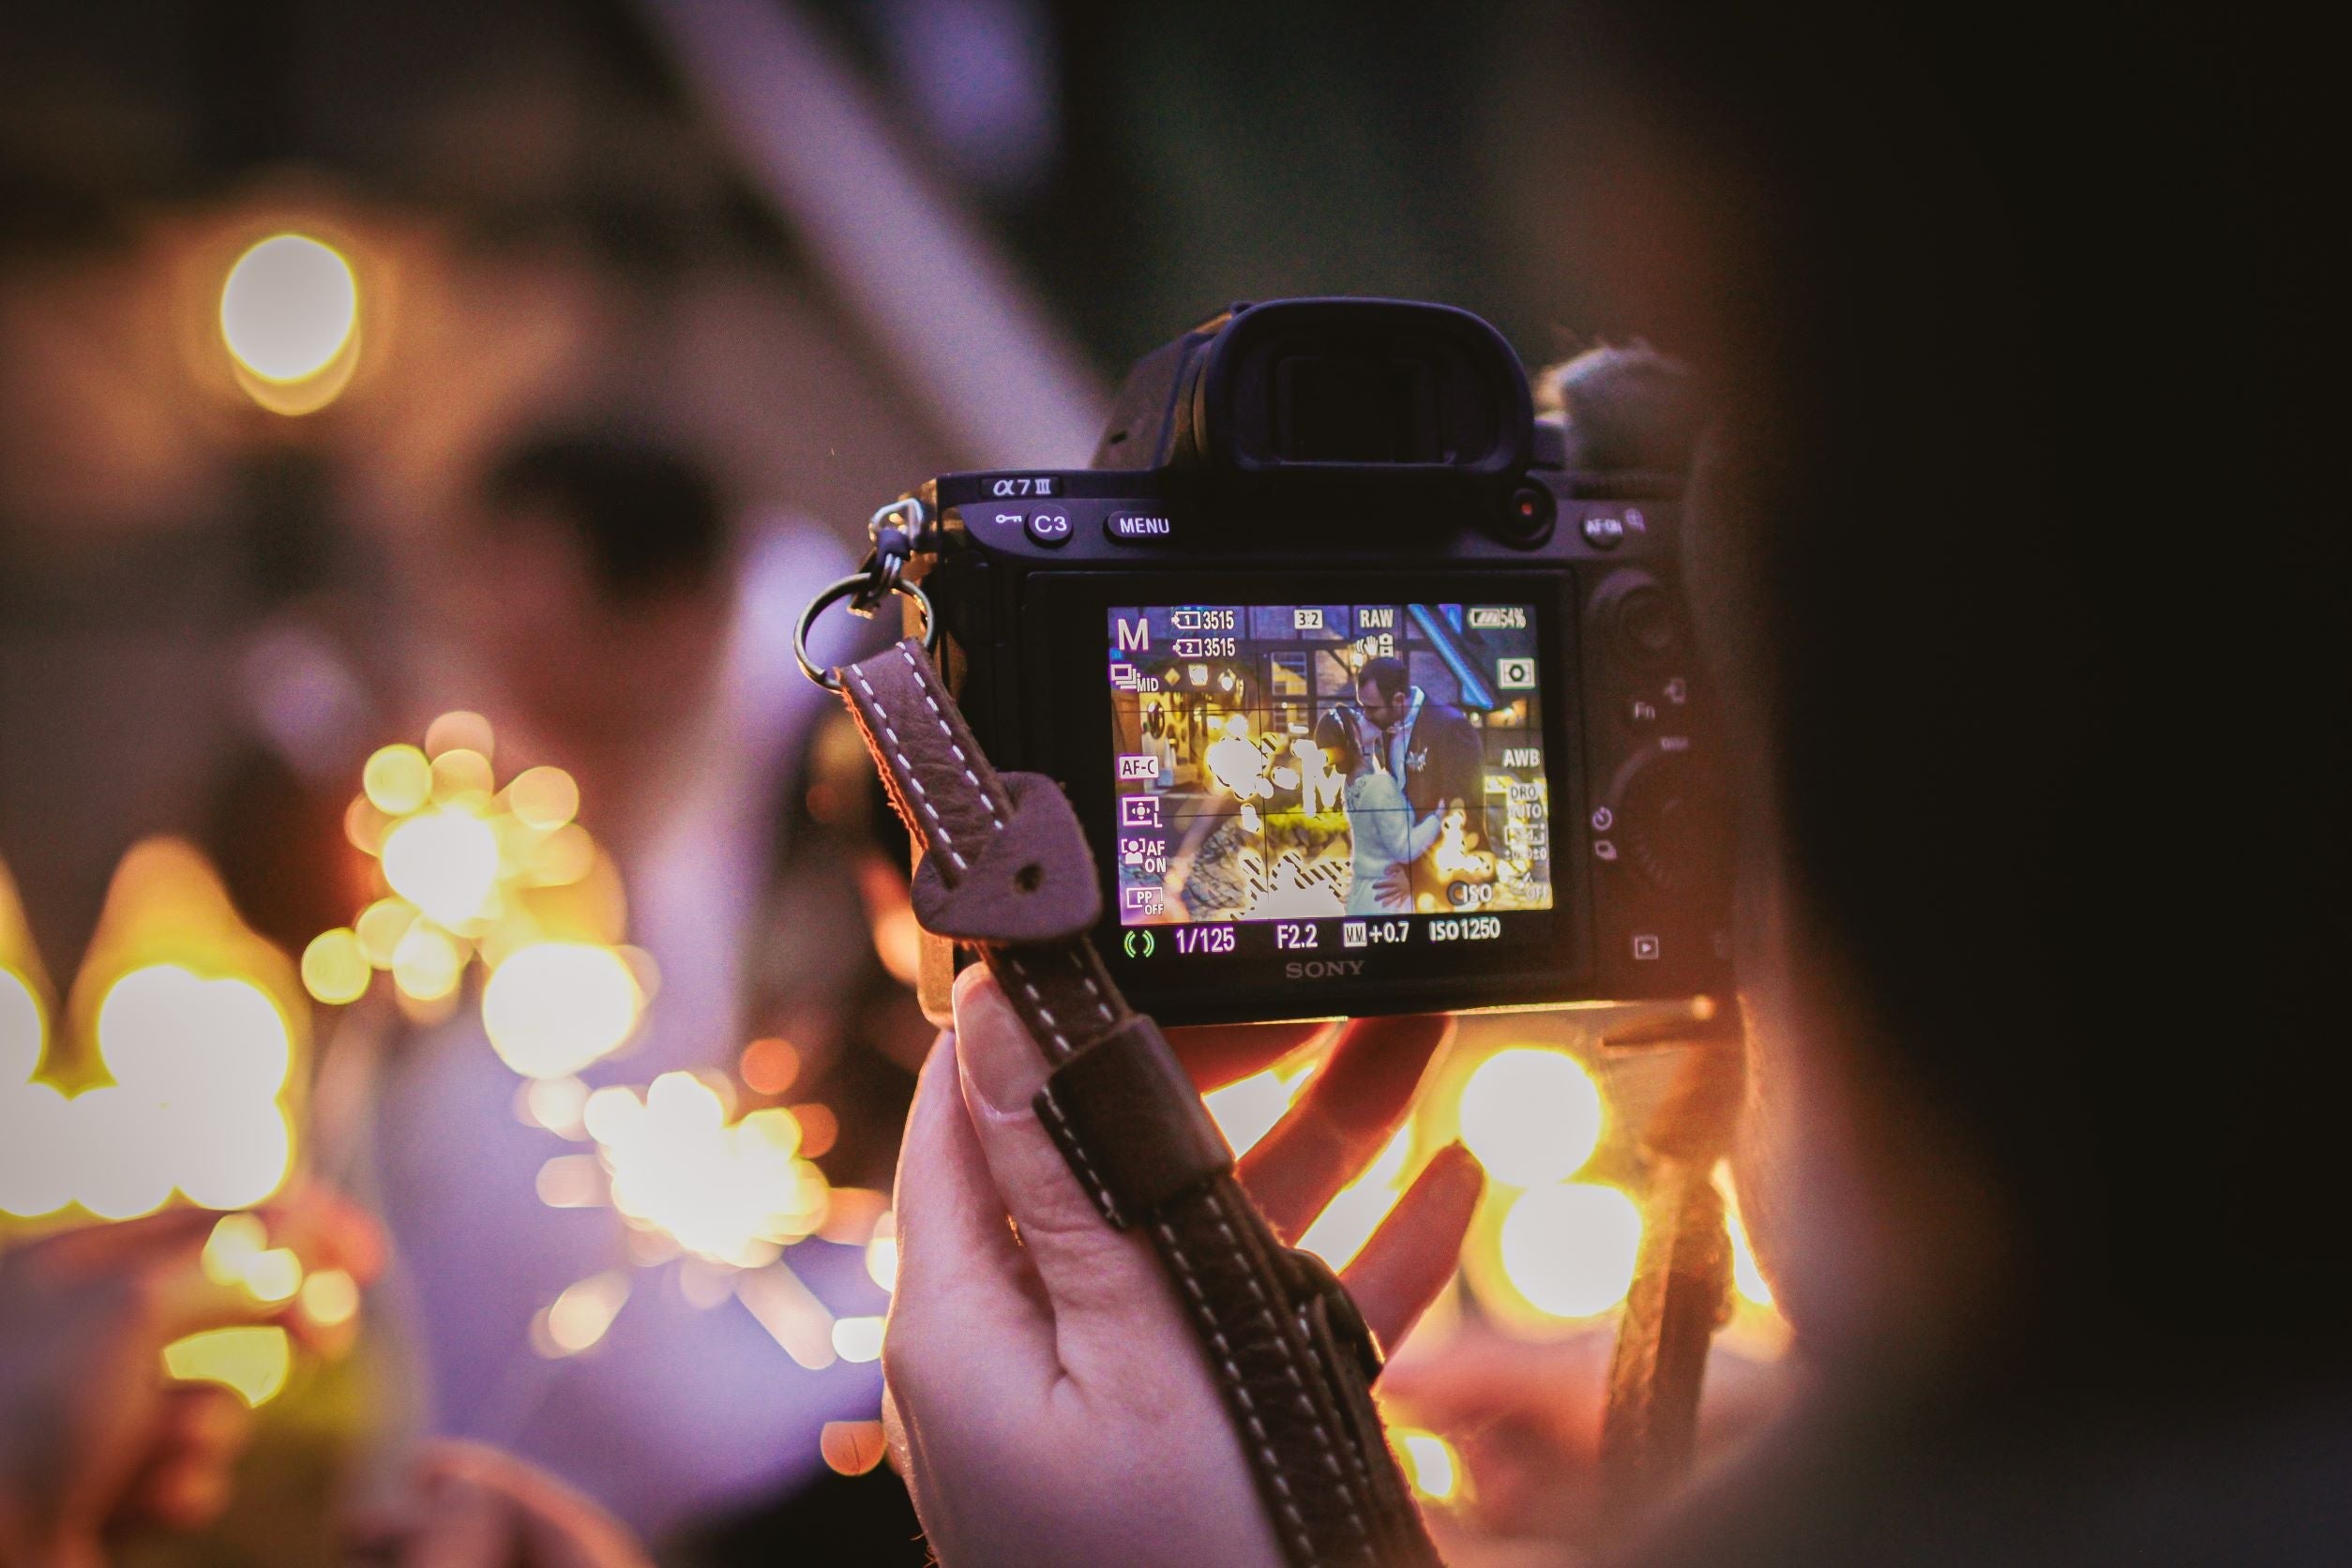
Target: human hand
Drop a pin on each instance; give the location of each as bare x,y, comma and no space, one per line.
1047,1400
481,1507
1526,1421
94,1436
1394,887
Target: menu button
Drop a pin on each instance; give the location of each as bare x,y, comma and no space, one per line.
1139,528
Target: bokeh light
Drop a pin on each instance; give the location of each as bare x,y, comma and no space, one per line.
1532,1115
335,967
732,1193
330,1297
445,862
1569,1249
1429,1461
178,1065
554,1008
287,307
859,1339
581,1317
253,1362
23,1029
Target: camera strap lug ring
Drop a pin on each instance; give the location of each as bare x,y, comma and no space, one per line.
864,584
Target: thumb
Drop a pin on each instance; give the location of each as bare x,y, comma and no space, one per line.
1101,1283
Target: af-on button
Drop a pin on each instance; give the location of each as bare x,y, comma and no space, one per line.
1139,528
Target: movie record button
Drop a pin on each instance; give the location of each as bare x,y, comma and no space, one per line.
1139,528
1050,527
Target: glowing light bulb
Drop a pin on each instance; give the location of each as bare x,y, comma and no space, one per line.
289,308
1532,1116
445,862
554,1008
1569,1249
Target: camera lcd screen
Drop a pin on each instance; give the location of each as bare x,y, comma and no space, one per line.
1347,775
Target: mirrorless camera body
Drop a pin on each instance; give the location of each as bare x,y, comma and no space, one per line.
1368,700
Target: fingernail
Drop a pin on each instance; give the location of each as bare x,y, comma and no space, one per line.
1001,1065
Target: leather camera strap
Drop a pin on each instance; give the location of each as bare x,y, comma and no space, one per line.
1005,868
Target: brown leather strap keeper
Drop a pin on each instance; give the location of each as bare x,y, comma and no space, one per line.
1126,1117
1031,880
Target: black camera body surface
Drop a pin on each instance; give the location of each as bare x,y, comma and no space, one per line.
1368,703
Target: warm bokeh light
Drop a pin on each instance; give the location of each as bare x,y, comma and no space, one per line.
23,1029
1532,1115
289,306
881,1252
176,1054
859,1339
543,797
1569,1249
237,1253
791,1313
556,1104
398,779
769,1065
1430,1463
581,1317
445,862
554,1008
253,1362
330,1297
428,963
1746,1278
732,1193
335,967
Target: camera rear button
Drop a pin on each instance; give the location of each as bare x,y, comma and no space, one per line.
1049,528
1139,528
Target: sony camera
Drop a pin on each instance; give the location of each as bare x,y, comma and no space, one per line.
1369,700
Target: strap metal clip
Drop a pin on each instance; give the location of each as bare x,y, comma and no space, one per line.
894,531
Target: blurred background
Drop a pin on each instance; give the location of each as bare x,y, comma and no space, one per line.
420,425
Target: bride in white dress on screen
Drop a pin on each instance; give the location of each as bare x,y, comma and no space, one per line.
1380,826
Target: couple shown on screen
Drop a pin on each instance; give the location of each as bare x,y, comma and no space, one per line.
1409,759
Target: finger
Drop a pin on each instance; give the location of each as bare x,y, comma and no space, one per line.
203,1431
959,1268
460,1524
94,1249
1348,1111
327,1231
1414,1252
561,1528
1216,1054
1102,1286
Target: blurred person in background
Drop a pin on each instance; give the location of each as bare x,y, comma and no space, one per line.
2028,1145
607,615
99,1451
